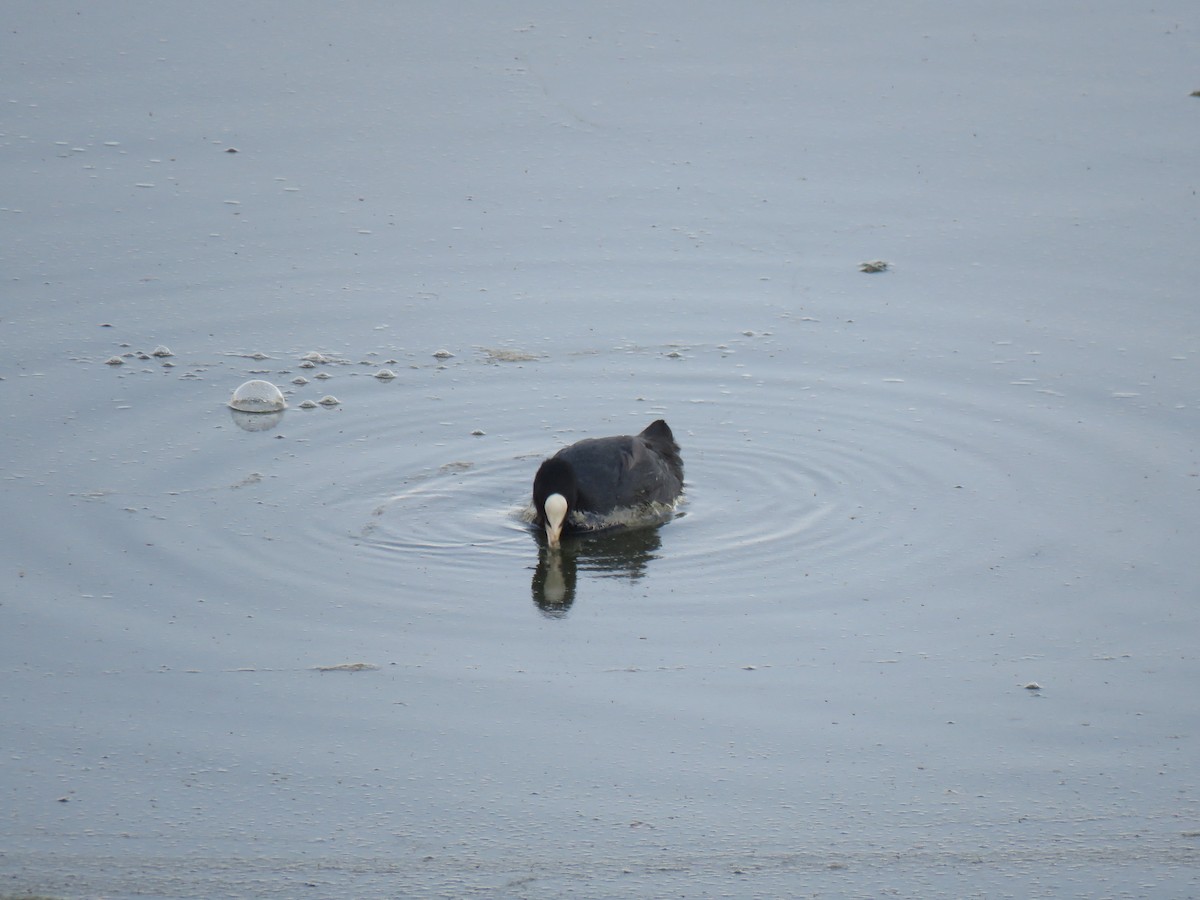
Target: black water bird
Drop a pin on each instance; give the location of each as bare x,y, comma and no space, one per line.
600,475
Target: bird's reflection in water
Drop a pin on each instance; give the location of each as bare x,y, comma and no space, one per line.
620,553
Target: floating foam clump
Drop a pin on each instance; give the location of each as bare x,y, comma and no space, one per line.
257,397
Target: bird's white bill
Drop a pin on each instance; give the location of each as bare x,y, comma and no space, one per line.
556,514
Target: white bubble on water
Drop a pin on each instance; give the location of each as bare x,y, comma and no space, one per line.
257,397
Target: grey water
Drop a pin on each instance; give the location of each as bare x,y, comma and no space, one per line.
925,621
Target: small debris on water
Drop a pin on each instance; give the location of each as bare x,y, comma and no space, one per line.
478,432
114,361
347,667
257,396
1033,686
504,355
443,354
874,265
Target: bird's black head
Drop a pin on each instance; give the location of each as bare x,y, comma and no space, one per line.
554,478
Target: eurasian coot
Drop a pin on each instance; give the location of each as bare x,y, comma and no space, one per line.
600,475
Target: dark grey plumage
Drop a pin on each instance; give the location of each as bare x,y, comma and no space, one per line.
599,475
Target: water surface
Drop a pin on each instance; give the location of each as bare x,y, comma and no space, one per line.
924,623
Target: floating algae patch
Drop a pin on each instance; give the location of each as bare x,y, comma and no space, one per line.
347,667
500,355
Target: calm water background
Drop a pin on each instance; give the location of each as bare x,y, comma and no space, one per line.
910,494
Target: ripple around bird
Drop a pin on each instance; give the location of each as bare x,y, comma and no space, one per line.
834,482
790,476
